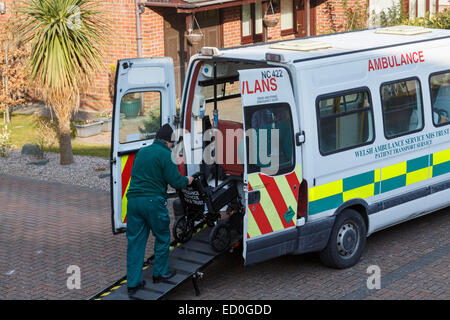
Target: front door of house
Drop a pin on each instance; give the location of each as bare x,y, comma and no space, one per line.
177,46
302,17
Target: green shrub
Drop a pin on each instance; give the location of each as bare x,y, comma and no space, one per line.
394,16
440,20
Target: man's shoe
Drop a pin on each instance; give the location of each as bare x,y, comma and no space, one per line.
133,290
164,277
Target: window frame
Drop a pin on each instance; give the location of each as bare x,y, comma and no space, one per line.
258,107
382,112
252,38
293,30
344,93
431,96
160,112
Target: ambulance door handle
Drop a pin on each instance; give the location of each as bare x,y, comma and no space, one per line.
299,138
254,197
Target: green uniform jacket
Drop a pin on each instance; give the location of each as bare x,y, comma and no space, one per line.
153,169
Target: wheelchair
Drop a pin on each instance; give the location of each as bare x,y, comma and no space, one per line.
200,203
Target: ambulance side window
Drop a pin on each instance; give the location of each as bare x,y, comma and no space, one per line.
402,107
440,97
140,116
345,120
270,139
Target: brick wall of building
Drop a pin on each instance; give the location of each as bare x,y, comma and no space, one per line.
9,4
232,27
331,16
122,44
122,40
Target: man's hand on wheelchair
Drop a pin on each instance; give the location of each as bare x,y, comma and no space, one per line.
190,179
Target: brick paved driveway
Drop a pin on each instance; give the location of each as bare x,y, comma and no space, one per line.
45,227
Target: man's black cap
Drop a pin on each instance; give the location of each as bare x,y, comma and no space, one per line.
165,133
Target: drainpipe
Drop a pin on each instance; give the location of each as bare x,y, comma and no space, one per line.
138,29
189,26
139,47
308,17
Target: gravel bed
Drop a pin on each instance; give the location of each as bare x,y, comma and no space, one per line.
92,172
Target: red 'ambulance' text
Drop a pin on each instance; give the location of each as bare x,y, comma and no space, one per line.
263,85
396,61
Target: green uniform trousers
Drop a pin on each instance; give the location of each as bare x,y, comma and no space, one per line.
145,214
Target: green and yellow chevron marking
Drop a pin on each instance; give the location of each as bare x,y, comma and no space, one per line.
331,195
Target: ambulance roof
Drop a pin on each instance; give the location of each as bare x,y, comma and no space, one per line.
300,49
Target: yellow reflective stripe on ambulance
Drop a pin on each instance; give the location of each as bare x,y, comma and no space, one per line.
331,195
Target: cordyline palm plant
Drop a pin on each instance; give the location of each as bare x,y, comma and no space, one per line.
66,37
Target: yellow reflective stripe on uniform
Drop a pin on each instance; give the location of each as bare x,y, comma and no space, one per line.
325,190
286,192
417,176
441,157
266,203
393,171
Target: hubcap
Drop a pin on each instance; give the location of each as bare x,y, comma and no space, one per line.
347,240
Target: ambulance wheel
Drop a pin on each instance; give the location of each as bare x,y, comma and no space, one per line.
346,242
220,237
183,229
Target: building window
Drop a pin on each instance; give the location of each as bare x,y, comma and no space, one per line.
252,24
440,98
418,8
402,107
345,121
287,17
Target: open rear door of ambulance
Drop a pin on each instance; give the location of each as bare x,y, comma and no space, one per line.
272,168
144,100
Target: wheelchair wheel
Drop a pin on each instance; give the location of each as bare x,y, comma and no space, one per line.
211,219
220,237
236,222
183,229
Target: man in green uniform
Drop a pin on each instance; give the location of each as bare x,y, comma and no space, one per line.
153,169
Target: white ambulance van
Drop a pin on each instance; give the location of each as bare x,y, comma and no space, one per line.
364,134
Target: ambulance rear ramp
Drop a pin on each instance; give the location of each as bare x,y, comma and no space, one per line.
188,259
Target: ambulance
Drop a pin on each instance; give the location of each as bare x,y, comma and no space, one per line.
360,121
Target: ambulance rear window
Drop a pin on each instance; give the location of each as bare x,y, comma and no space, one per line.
345,120
270,147
140,116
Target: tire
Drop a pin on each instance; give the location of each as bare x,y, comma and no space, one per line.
183,229
220,237
347,241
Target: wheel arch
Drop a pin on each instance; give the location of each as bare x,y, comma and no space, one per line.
360,206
